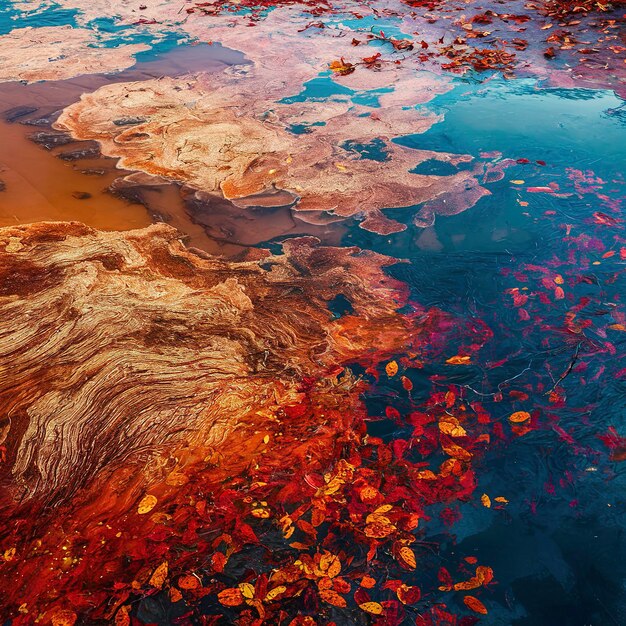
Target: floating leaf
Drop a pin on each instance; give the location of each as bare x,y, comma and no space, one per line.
459,360
122,617
332,597
391,368
407,557
230,597
375,608
368,582
486,500
475,604
175,595
408,594
330,564
451,426
188,582
274,593
519,416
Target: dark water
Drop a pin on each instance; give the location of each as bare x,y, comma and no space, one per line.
559,546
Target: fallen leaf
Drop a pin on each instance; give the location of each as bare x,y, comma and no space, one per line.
375,608
391,368
475,604
459,360
230,597
159,576
519,416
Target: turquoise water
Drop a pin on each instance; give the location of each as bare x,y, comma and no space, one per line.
11,18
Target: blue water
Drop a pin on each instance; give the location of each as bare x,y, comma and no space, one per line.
559,556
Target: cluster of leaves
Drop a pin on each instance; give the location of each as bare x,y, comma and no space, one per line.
340,537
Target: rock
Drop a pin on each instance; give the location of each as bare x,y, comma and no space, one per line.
91,151
51,139
129,121
81,195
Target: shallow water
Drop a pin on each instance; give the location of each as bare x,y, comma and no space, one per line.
554,221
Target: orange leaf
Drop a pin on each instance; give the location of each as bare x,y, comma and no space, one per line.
122,617
391,368
367,582
459,360
332,597
519,416
188,582
450,426
475,604
486,500
159,576
330,564
230,597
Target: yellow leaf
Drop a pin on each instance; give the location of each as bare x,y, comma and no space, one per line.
332,597
517,182
375,608
486,500
617,327
247,590
146,505
501,499
367,582
451,426
260,513
384,508
266,439
9,554
459,360
159,576
559,279
330,564
475,604
230,597
408,557
519,416
273,593
391,368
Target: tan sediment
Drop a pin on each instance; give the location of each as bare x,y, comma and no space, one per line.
59,52
116,347
201,130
